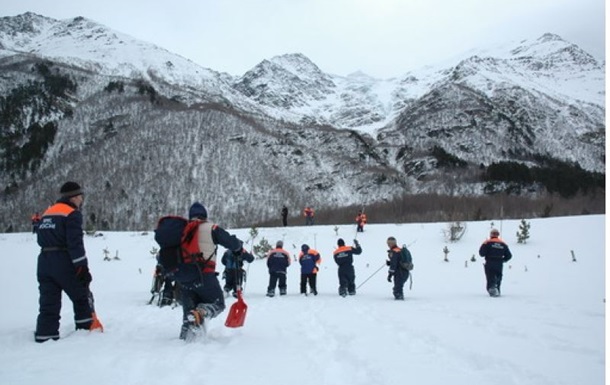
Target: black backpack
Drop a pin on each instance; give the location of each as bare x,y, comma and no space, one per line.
168,235
406,261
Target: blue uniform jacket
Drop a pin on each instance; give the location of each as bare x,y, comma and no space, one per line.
61,231
278,260
309,261
494,249
395,255
344,255
228,259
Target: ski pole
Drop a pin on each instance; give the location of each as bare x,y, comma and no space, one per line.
371,276
246,277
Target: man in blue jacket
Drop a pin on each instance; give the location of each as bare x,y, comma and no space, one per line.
495,252
344,258
400,274
278,261
62,264
310,260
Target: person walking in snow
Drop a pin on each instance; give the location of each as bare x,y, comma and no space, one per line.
234,273
35,222
496,253
202,296
310,260
165,287
285,216
360,221
62,264
396,271
278,261
308,213
344,257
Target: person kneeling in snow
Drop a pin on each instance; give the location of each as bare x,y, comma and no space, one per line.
234,273
201,293
496,252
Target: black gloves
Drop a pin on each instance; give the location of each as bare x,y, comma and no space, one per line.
387,262
83,275
390,275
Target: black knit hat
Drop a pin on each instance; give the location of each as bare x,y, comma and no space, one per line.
340,242
70,189
198,210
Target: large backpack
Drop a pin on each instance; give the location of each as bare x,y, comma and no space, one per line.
168,235
406,261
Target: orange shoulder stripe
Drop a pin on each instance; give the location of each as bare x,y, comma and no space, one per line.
341,249
61,209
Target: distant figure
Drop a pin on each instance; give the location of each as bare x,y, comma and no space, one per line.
344,257
234,273
495,252
285,216
310,260
278,261
35,222
360,221
400,274
308,213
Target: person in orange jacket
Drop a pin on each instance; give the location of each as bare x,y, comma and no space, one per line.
35,222
360,221
310,260
308,213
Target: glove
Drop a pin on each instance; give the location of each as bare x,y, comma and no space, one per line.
390,275
356,243
83,275
387,262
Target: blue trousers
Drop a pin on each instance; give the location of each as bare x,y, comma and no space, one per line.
55,274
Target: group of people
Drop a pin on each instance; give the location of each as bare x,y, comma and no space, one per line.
309,214
63,267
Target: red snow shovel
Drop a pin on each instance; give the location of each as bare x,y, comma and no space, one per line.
237,313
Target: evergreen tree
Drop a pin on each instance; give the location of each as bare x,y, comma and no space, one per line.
524,231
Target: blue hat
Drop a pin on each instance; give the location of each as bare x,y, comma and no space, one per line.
304,248
197,210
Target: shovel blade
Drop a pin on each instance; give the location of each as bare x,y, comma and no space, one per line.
237,313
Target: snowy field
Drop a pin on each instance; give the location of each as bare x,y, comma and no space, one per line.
547,328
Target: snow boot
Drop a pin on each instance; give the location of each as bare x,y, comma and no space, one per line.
493,292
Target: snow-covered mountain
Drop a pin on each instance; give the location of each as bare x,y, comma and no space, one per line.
149,131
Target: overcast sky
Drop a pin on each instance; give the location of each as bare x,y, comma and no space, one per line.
383,38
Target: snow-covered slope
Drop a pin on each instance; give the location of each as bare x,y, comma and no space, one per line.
547,328
94,47
547,65
155,130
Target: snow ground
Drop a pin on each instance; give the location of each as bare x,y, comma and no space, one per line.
548,328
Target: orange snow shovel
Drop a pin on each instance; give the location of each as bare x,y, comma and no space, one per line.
237,313
96,324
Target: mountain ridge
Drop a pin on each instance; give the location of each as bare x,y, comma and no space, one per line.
284,132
